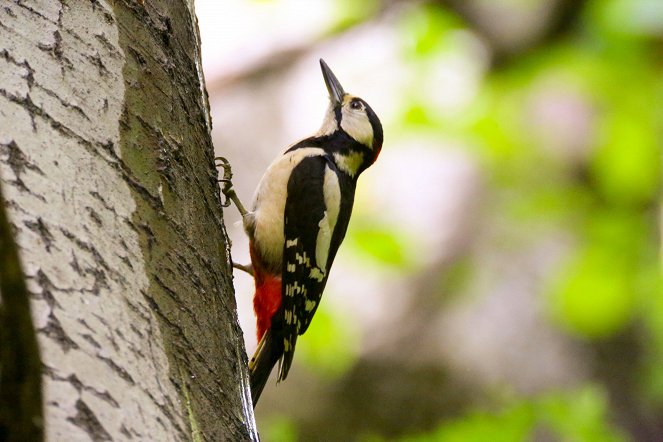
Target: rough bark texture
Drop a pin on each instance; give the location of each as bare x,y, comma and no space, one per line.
21,411
106,161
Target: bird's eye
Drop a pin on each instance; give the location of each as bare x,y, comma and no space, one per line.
355,104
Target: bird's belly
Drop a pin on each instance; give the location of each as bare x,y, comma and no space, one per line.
269,206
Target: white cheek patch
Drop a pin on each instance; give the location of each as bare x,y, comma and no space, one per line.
356,125
332,195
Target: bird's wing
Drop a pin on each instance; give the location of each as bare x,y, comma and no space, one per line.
311,217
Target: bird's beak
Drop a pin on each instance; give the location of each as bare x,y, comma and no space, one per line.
335,89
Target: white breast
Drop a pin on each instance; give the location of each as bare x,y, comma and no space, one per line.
269,203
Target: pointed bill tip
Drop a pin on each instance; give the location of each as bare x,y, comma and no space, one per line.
334,87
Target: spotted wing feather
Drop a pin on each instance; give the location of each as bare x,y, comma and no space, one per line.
303,277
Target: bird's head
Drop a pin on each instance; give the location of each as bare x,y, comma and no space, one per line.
351,115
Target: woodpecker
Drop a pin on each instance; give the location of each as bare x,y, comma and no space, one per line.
298,219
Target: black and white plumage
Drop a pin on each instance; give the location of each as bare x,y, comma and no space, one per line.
299,218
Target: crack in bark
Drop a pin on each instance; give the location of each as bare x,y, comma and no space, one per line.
63,103
29,77
121,372
165,409
39,227
125,260
104,395
100,280
55,48
54,331
34,110
104,12
172,294
87,421
103,202
112,50
87,247
47,288
37,13
94,216
177,329
9,11
18,161
125,432
90,340
97,62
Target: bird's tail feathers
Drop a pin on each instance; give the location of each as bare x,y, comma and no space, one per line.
269,351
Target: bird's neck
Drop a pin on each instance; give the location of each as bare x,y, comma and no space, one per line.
349,155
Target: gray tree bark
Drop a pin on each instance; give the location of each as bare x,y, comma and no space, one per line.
108,175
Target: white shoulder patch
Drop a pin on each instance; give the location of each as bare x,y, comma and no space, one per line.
332,195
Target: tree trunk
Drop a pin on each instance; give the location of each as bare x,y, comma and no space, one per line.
107,168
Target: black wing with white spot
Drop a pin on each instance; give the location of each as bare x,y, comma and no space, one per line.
311,214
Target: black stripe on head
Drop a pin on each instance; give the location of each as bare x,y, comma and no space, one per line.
338,113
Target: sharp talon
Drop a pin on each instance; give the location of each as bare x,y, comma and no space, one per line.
228,191
221,162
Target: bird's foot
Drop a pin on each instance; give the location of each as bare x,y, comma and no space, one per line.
227,189
248,268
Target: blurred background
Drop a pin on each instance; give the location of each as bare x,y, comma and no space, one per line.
501,277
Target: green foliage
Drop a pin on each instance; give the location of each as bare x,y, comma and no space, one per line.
601,192
279,429
380,244
350,13
618,20
426,29
330,343
596,294
577,416
570,416
511,425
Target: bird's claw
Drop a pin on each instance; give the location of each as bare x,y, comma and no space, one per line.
228,191
221,162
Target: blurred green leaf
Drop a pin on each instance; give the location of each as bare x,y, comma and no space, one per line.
379,243
627,163
330,343
279,429
424,29
580,416
594,297
512,425
626,18
350,13
597,294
